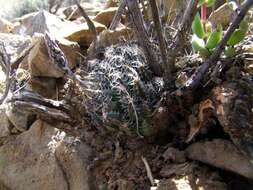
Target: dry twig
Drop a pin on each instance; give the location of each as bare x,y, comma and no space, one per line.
149,173
7,65
91,27
117,16
181,35
162,42
142,36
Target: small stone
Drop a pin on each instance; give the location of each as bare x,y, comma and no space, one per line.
105,16
18,119
5,26
41,65
82,34
221,154
223,15
174,155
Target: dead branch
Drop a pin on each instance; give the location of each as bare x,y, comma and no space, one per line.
196,78
46,108
6,66
185,25
36,98
117,16
162,42
142,36
181,35
91,27
42,111
57,113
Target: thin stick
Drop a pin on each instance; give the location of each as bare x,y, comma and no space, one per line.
91,27
117,16
182,34
145,11
162,42
7,63
72,13
130,99
196,78
149,173
142,37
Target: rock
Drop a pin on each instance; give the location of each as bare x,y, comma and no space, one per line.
74,157
175,169
19,120
70,49
222,154
27,161
40,64
121,184
105,16
45,158
112,37
5,128
45,86
82,34
42,21
233,102
190,176
223,15
200,181
15,45
111,3
5,26
174,155
39,61
72,13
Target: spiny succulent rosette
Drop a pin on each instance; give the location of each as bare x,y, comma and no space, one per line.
205,37
122,88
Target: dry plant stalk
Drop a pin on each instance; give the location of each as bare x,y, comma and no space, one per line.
162,42
118,14
6,66
91,27
143,37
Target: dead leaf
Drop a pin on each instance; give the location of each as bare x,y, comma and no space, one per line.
196,122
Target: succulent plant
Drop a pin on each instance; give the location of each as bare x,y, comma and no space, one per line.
204,39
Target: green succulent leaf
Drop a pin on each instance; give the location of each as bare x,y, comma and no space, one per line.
237,36
208,3
214,38
197,27
201,2
244,25
229,51
198,45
